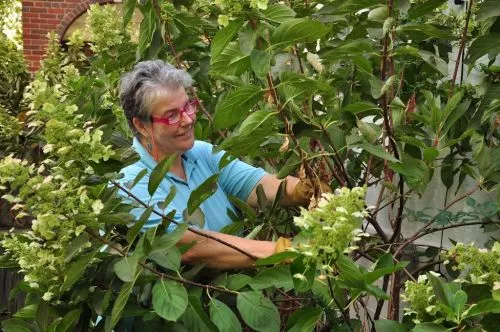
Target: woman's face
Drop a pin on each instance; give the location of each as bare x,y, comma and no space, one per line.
173,138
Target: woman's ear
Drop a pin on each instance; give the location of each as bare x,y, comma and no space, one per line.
140,126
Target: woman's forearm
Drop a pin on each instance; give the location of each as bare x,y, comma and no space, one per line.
219,256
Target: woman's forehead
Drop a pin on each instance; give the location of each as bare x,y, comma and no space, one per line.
168,99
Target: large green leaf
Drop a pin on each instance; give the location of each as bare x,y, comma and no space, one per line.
257,120
483,307
126,268
378,151
128,11
361,106
169,259
389,326
420,9
428,29
170,299
350,272
298,30
260,62
120,303
486,44
136,228
304,319
278,276
489,8
69,321
195,319
278,13
236,105
159,172
231,61
200,194
16,325
223,317
258,311
429,327
223,37
146,31
76,270
441,289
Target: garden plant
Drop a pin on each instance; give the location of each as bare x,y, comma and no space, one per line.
366,95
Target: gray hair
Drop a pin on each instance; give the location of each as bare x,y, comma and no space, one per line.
140,87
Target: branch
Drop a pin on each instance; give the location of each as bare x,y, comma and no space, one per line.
130,194
158,273
461,48
417,235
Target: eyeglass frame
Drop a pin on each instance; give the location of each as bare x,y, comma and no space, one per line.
190,103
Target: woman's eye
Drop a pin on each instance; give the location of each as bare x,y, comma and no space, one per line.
171,115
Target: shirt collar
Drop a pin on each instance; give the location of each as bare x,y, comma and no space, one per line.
189,156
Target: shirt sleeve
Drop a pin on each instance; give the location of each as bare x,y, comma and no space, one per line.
237,178
140,190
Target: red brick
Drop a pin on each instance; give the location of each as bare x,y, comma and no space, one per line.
38,10
29,14
56,11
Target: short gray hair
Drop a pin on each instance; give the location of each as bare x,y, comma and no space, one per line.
142,85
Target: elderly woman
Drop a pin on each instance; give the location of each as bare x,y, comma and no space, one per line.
162,117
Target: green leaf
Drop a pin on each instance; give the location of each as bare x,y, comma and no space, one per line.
489,8
255,120
223,37
223,317
75,246
304,319
136,228
200,194
420,9
483,307
486,44
236,105
28,312
260,62
258,312
231,61
428,29
298,30
168,240
361,106
389,326
434,61
119,218
303,274
350,273
76,269
278,277
159,172
69,321
429,327
237,281
368,131
120,302
128,11
276,258
440,289
378,151
42,315
430,154
458,302
126,268
16,325
169,259
378,13
277,13
170,299
146,31
195,318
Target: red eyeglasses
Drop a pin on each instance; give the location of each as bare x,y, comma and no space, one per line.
174,116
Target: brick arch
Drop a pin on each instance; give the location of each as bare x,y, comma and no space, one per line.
43,16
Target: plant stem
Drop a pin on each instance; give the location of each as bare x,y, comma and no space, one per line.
461,48
158,273
130,194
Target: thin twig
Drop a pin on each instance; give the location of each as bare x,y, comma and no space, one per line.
193,230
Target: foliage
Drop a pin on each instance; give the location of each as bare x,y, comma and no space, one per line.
351,92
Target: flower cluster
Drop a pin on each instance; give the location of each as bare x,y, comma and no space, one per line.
230,8
330,228
10,126
420,295
480,265
105,27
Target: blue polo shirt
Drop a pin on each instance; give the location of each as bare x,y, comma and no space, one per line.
236,179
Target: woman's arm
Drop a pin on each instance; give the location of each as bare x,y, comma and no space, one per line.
270,183
219,256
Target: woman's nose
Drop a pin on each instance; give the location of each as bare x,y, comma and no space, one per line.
186,120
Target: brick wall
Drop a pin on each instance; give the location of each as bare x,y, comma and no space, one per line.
42,16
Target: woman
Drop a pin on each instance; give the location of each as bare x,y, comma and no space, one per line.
162,117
